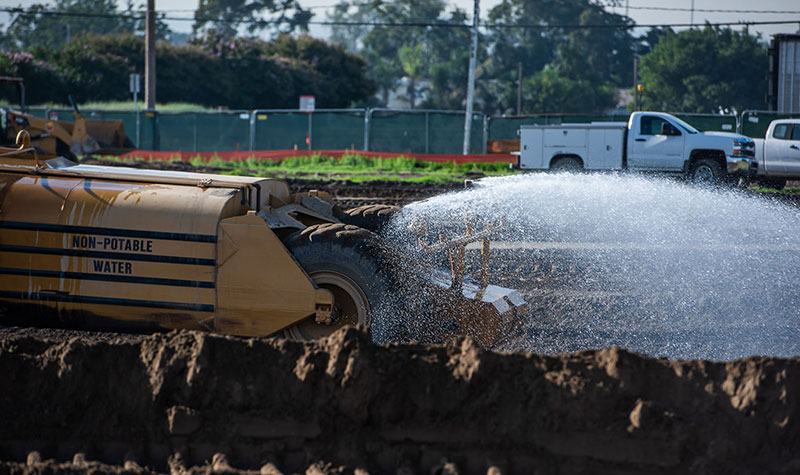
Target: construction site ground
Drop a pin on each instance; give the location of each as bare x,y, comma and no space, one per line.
83,402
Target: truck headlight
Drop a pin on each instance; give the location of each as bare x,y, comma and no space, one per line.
744,148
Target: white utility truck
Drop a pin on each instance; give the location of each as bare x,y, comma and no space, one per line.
649,142
778,153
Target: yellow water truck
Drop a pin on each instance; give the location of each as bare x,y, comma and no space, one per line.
123,248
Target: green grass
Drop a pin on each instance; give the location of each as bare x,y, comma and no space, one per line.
352,167
786,191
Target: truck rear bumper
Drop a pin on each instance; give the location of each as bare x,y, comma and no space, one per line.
741,166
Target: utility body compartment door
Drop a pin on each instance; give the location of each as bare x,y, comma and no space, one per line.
605,148
530,151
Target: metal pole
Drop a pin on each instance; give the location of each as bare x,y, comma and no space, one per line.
691,17
194,132
367,117
136,108
310,132
519,89
150,56
427,133
471,81
636,105
253,130
485,133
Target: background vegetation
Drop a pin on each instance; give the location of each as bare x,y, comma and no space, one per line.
565,68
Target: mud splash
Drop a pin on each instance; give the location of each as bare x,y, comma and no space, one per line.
650,264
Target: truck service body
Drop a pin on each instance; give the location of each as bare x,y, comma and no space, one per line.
649,142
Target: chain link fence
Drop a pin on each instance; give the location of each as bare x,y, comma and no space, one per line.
381,130
755,123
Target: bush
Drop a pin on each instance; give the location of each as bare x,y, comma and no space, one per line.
238,74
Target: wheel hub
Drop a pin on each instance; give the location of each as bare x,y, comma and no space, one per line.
351,307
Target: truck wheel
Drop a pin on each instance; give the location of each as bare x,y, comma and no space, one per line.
370,217
775,184
348,261
707,171
567,164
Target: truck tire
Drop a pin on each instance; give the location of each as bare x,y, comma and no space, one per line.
370,217
707,171
350,262
774,183
567,164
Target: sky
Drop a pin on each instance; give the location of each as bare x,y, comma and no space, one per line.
637,9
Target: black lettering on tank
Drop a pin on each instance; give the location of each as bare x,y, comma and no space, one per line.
84,242
112,267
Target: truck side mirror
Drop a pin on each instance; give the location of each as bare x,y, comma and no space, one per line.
669,130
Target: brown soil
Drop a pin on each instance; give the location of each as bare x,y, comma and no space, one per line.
104,403
81,402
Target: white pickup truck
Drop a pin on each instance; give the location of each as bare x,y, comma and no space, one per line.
649,142
778,153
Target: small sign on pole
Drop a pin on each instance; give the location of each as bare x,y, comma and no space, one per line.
307,103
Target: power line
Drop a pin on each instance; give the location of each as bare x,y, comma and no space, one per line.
715,10
624,26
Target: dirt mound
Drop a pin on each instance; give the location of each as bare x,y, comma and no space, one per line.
189,399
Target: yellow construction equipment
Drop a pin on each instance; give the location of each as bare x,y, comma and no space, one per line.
120,248
62,138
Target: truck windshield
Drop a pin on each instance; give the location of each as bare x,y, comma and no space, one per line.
688,128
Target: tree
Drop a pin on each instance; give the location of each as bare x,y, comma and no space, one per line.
43,25
412,61
244,73
599,57
227,16
436,56
705,70
549,92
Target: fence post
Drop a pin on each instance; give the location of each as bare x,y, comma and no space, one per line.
485,132
252,131
156,131
310,130
194,132
367,120
427,133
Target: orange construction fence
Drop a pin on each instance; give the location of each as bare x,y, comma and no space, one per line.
235,155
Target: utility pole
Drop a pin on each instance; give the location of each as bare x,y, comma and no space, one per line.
471,81
150,56
636,105
691,16
519,88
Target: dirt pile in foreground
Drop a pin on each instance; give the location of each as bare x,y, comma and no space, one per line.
182,400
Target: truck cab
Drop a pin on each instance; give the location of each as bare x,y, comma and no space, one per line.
662,142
